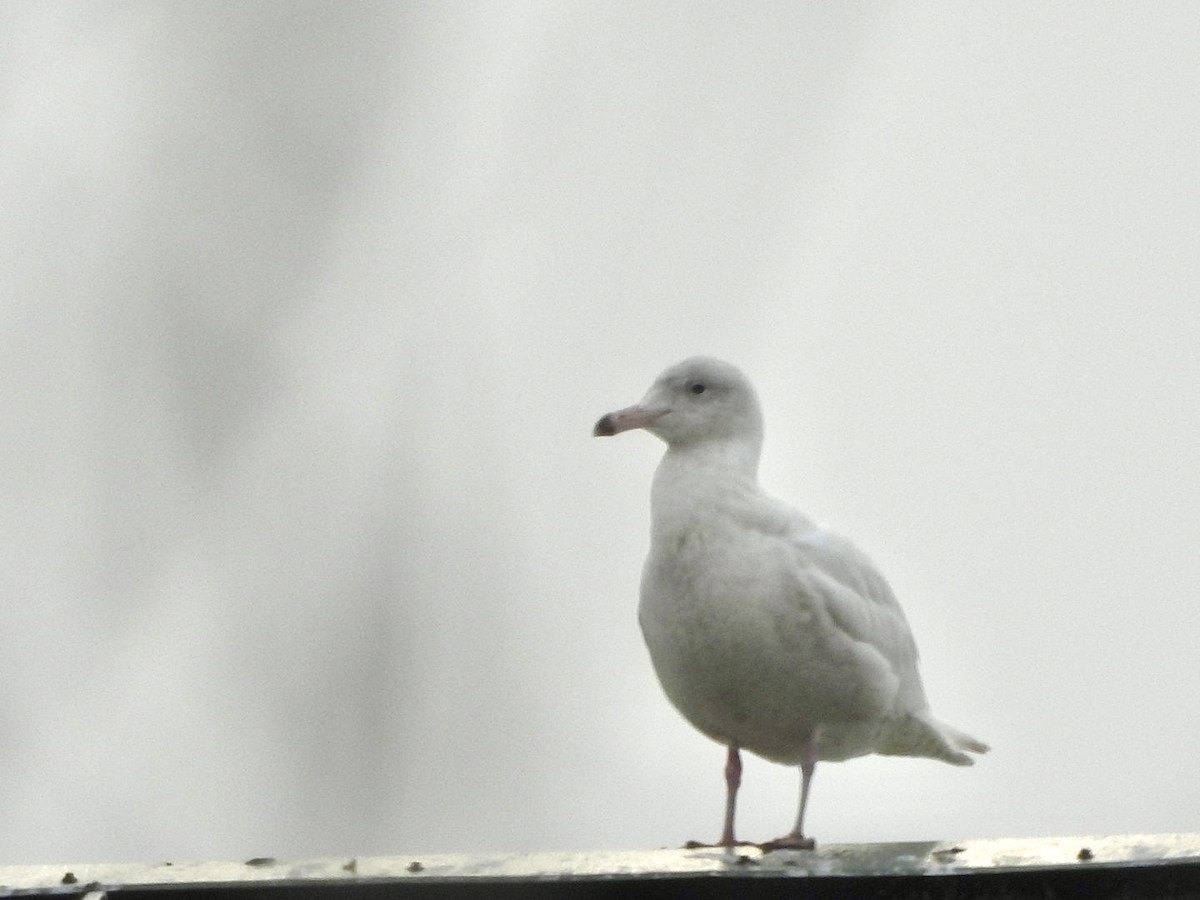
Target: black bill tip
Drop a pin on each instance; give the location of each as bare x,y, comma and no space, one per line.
606,427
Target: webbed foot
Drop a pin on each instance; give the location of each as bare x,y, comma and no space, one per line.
789,842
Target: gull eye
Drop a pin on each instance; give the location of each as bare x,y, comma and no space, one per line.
696,387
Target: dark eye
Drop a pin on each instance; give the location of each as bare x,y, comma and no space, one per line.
696,387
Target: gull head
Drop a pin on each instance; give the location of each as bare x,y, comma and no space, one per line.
698,401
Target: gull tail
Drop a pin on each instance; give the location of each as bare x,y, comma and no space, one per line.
920,734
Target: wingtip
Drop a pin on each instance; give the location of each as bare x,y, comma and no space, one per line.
966,742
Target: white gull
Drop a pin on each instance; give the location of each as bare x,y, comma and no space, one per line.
767,632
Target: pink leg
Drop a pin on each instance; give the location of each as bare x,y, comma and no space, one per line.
733,781
795,839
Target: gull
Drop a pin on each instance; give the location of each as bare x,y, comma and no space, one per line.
767,632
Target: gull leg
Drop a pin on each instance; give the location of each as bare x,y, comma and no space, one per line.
795,839
733,780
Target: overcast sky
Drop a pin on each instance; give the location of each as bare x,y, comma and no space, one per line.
307,310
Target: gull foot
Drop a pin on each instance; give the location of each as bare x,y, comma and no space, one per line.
700,845
789,842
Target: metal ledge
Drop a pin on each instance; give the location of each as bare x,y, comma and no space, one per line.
1126,866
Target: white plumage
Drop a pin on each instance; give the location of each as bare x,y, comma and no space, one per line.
767,632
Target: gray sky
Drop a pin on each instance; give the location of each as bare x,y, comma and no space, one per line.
307,312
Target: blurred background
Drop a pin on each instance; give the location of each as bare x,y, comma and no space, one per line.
307,310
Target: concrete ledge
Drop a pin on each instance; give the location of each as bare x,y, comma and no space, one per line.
1099,866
